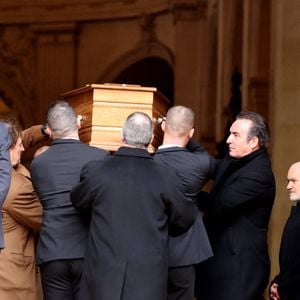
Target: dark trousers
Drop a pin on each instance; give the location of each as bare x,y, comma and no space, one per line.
61,279
181,282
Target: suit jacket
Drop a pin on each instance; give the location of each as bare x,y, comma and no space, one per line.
5,171
133,200
194,166
22,218
54,172
289,260
236,218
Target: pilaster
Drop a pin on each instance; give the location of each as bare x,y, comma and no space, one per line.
55,61
189,17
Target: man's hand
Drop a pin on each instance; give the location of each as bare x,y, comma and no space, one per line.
274,292
46,131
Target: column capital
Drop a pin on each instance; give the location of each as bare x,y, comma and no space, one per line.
188,9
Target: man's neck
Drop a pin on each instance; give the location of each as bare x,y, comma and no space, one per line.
73,136
179,142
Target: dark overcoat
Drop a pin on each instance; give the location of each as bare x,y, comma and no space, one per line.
289,259
134,200
236,218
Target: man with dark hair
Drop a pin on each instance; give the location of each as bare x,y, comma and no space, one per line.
236,216
134,203
194,166
63,236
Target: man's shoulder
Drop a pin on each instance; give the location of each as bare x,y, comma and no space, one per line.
183,156
95,150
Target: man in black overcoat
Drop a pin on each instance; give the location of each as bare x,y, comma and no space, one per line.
194,166
285,286
134,202
236,216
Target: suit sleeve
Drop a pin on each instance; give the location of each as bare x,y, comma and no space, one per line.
211,164
5,164
288,283
181,210
245,193
82,193
24,205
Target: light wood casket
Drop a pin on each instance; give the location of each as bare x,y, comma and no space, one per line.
105,107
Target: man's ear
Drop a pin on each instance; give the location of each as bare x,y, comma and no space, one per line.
78,121
191,133
151,140
163,126
47,131
254,142
122,136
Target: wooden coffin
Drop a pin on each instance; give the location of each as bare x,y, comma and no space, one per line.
105,107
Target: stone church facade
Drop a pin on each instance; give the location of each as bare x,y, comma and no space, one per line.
216,56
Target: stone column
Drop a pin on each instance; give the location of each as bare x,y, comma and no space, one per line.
190,55
55,62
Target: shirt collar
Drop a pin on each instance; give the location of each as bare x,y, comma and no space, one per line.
168,146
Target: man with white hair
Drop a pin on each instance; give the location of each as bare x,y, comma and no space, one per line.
134,203
286,284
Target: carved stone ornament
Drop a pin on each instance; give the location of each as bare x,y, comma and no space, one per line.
15,11
188,9
17,60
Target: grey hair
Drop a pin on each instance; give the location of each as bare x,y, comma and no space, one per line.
259,128
138,130
61,118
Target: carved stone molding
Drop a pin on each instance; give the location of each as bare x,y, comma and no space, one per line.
148,33
188,9
55,33
17,62
212,7
11,11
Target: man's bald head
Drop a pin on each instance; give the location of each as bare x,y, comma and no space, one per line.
179,120
293,178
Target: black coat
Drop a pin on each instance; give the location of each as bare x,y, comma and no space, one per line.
194,166
54,172
134,201
289,258
237,214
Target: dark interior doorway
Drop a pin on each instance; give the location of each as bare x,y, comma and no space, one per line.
150,72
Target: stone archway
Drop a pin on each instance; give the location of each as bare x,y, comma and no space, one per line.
150,65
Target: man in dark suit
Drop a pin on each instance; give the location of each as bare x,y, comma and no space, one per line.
63,236
285,286
134,203
194,166
5,171
236,216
